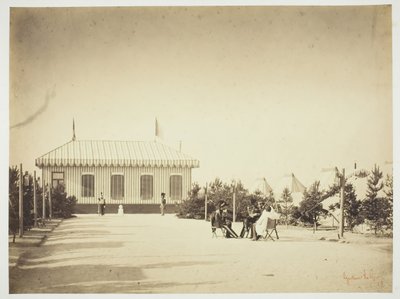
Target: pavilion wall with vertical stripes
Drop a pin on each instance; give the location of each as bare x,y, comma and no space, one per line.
128,173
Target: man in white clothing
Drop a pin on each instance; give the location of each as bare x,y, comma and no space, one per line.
261,224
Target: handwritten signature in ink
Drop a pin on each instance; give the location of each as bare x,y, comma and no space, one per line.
365,275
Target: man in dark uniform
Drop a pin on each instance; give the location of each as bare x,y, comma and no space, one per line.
102,202
253,213
163,203
216,218
220,219
227,223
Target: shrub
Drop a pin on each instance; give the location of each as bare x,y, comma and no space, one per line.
13,178
352,207
13,200
193,206
376,210
310,207
63,205
217,191
285,205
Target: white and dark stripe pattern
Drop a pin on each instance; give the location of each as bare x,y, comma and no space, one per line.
116,153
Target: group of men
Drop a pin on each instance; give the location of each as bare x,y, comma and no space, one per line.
101,205
255,222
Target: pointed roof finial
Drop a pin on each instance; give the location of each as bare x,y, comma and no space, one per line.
73,130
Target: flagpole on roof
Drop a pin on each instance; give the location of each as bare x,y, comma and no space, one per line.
155,131
73,130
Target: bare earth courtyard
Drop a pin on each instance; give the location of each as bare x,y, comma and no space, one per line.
137,253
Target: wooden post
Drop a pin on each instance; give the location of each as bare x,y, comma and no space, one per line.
314,227
34,200
205,204
21,203
234,202
341,218
286,213
43,199
50,203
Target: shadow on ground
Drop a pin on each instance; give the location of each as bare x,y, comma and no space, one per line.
79,279
108,279
45,250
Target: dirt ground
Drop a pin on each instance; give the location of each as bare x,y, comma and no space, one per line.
162,254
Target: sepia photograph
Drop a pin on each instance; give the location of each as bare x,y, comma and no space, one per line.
201,149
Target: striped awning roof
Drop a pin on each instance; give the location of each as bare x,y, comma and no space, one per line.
116,153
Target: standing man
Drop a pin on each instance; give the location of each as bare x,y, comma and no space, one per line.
102,203
163,203
99,205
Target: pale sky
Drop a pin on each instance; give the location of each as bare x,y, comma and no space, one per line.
251,91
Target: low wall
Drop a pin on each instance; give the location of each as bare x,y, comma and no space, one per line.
128,209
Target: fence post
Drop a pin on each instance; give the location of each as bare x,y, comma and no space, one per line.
234,202
21,203
50,203
205,203
43,200
34,200
341,219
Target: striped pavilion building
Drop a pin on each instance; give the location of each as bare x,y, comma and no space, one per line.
131,173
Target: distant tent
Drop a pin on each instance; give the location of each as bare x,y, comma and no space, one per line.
261,185
328,178
331,201
360,185
294,185
359,180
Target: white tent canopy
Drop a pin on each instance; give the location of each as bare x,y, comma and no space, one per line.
261,185
328,178
361,185
293,184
